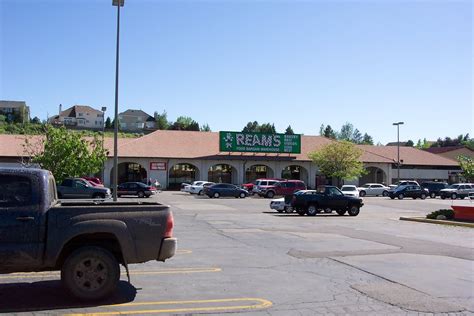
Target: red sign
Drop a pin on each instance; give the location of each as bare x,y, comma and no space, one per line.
157,165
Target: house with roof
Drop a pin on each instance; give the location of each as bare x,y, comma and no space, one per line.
174,157
15,111
79,116
136,121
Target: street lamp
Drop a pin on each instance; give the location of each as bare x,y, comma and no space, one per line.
398,148
118,4
104,108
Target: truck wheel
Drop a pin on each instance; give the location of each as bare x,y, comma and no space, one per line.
433,195
443,197
341,212
288,209
312,210
270,194
353,210
90,273
423,196
141,194
454,196
401,196
362,193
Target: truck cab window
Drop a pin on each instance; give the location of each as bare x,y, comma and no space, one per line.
15,191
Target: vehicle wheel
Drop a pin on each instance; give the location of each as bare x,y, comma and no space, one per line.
461,197
353,210
90,273
288,209
385,193
454,196
423,196
301,212
341,212
413,197
216,195
242,195
200,192
327,210
362,193
401,196
280,211
98,196
141,194
443,197
392,197
433,195
270,194
312,210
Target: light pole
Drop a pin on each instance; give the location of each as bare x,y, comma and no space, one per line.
118,3
398,148
104,108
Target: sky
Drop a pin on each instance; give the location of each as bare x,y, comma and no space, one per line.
225,63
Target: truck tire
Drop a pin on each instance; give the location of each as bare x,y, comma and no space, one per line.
353,210
270,194
454,196
362,193
90,273
341,212
312,210
433,195
401,196
423,196
288,209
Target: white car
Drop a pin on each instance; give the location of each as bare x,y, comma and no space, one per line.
374,189
350,190
199,186
280,206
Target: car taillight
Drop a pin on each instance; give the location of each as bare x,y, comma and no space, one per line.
153,188
169,226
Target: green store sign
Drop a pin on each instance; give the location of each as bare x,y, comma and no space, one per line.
259,143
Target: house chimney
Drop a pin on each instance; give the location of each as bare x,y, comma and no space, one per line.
60,109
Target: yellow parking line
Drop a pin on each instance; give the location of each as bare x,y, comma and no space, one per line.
137,272
262,303
183,251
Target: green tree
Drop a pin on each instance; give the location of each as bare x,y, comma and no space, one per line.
108,123
289,130
205,128
357,137
367,139
35,120
162,120
321,130
251,127
66,153
184,123
329,132
3,119
267,128
410,143
467,166
254,127
341,160
347,130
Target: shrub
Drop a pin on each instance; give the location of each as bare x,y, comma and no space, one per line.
446,212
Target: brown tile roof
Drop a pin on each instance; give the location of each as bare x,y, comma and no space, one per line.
193,145
440,150
72,111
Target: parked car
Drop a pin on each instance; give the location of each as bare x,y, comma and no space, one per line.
280,205
78,188
85,240
327,199
286,187
185,187
457,190
413,191
262,184
199,187
373,189
350,190
136,188
94,181
434,188
225,189
249,186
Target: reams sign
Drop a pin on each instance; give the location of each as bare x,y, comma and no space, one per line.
259,142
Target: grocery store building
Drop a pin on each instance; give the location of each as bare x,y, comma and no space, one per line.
174,157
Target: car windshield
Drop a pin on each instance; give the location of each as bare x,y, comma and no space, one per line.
453,186
348,189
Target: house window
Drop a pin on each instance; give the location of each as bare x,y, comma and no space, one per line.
80,114
139,119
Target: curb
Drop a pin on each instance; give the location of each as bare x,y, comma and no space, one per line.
437,221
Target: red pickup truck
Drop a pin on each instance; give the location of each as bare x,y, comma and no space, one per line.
285,187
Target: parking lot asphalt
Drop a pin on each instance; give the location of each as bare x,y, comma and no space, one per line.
238,256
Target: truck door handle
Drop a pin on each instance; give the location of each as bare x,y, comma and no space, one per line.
25,218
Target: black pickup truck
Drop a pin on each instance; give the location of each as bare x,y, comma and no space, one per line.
325,199
85,240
